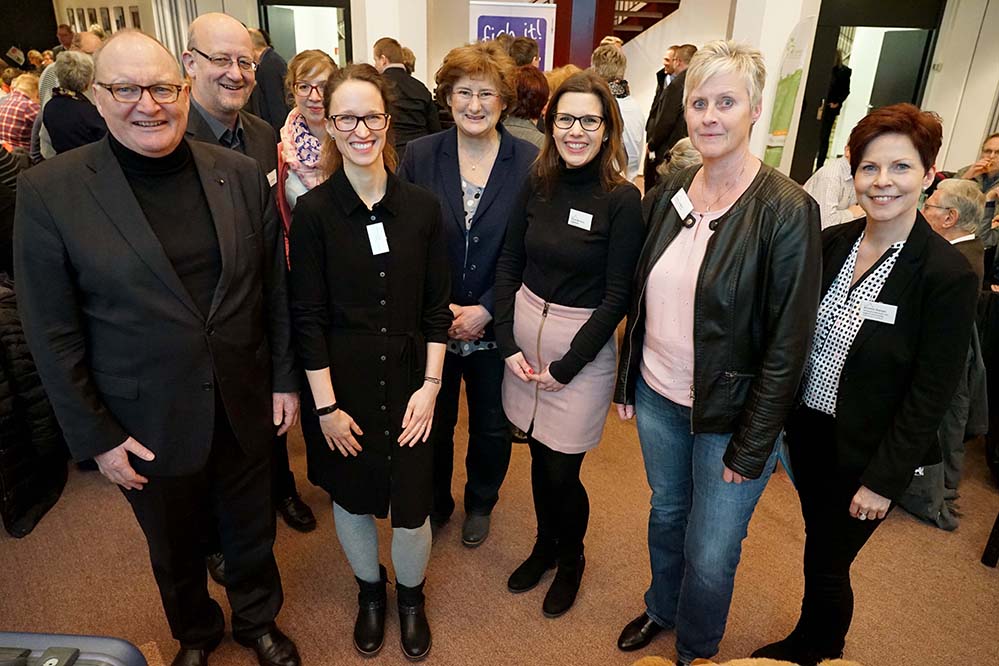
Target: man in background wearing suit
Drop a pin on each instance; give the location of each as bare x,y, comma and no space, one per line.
269,100
219,61
414,113
668,125
151,281
954,210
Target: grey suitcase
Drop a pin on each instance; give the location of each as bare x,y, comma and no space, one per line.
26,649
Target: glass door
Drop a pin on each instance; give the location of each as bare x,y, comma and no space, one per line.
297,25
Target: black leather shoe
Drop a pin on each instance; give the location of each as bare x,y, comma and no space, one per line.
215,563
414,629
273,649
474,530
528,574
296,513
638,633
562,594
369,627
189,657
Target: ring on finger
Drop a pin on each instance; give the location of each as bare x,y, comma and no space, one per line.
862,515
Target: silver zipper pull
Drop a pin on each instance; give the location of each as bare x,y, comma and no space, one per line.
691,391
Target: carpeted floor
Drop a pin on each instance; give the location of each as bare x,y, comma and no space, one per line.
922,597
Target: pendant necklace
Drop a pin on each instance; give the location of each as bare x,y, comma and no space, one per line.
707,209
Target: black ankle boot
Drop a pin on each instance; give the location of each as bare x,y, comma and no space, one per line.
529,573
562,594
413,626
369,628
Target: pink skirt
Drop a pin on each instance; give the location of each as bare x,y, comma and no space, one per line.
571,420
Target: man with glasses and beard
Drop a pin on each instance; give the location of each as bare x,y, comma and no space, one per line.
152,292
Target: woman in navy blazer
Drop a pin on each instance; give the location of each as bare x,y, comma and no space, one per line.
477,169
890,343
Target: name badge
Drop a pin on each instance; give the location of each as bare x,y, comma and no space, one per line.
681,202
880,312
580,220
272,177
376,236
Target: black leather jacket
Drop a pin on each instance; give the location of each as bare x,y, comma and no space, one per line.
754,311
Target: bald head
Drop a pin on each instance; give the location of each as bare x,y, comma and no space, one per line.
133,45
210,28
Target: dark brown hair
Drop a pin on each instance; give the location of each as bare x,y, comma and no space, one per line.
612,156
331,160
483,60
523,50
532,93
923,128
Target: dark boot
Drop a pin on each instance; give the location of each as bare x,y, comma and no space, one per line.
369,628
529,573
414,629
562,594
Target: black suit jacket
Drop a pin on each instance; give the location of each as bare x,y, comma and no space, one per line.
268,99
414,113
670,125
120,345
261,141
899,379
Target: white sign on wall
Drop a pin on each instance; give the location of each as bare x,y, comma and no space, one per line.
489,20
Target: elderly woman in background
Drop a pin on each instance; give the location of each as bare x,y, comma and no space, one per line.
35,61
727,288
18,111
70,118
477,169
610,64
532,97
890,344
305,129
681,155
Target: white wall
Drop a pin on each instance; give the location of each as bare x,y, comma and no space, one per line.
964,82
405,20
241,10
145,11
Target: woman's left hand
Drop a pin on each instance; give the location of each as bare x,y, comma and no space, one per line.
546,382
868,505
419,415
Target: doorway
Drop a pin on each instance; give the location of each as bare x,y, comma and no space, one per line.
297,25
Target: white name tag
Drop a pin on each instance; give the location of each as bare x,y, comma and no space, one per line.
681,202
272,177
376,236
579,219
880,312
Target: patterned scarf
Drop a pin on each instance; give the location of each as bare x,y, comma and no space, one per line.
301,149
619,88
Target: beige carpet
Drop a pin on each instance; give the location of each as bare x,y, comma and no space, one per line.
922,597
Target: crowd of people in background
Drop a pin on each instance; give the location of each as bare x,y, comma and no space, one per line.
242,242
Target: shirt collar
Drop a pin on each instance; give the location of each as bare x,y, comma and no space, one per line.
219,130
350,202
969,237
844,168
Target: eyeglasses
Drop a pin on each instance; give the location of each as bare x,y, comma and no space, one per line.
131,93
926,205
225,62
566,121
346,122
304,89
466,95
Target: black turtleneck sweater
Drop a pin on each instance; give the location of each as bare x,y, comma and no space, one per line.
569,265
170,194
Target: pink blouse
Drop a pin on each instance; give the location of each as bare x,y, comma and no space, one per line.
668,351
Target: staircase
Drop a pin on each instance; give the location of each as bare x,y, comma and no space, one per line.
632,18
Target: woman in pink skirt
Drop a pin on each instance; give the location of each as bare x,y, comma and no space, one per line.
562,286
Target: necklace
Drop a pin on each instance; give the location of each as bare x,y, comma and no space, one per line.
707,208
491,150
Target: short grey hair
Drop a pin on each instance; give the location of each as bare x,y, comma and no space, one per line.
74,70
967,199
609,62
681,155
728,57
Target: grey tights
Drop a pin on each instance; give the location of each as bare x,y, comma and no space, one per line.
359,540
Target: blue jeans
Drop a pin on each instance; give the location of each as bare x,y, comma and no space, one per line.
696,524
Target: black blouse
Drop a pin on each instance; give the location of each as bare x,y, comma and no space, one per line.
569,265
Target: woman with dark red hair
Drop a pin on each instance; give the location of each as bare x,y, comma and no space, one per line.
890,343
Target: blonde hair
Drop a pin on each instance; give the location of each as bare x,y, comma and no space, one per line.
728,57
681,155
609,62
558,75
26,84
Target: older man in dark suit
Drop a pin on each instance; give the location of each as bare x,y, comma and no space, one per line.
152,291
219,61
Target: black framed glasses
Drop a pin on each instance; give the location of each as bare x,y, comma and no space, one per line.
304,88
130,93
346,122
567,120
225,62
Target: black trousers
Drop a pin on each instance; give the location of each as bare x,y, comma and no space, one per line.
833,538
175,514
282,479
825,133
561,504
488,455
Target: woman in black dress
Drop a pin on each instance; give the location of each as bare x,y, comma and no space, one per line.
370,289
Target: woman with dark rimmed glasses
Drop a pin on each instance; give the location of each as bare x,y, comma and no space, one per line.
369,300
